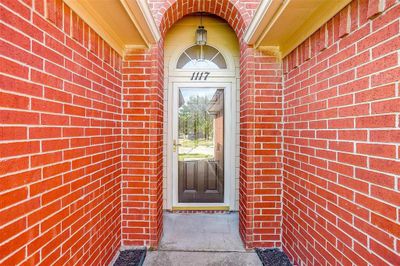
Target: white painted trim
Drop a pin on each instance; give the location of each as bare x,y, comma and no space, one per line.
229,140
264,12
228,72
150,20
169,147
140,14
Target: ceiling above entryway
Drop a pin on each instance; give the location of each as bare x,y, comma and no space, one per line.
284,24
280,25
121,23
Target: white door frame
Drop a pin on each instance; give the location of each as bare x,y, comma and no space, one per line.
229,85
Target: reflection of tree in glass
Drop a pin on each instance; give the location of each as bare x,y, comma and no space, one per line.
194,121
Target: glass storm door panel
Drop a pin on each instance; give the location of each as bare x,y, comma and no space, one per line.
200,145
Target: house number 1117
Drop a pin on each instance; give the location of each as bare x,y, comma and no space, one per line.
200,75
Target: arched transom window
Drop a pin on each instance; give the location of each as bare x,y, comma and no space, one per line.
201,57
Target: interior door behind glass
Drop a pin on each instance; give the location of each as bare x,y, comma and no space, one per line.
200,145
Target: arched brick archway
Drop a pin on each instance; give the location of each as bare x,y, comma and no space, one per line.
235,15
260,176
231,12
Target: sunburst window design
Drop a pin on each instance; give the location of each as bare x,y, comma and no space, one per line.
201,57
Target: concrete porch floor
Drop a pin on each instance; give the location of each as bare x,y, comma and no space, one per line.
201,239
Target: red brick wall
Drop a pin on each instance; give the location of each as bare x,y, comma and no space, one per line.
60,138
64,103
267,150
341,140
260,149
142,147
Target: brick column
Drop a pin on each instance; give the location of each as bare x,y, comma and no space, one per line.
260,149
142,147
246,180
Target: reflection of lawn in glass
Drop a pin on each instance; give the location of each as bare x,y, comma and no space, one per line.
195,143
194,156
196,149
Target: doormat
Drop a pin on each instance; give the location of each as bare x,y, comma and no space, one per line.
273,257
132,257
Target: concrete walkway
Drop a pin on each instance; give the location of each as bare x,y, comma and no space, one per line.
201,239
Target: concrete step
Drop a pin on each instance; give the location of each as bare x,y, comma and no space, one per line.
201,232
195,258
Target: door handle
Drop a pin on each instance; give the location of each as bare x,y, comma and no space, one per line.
176,145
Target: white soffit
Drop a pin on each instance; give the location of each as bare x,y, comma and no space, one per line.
121,23
287,23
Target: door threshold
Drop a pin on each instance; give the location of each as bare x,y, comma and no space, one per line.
200,208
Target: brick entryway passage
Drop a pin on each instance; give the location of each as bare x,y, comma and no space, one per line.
201,239
260,175
81,135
